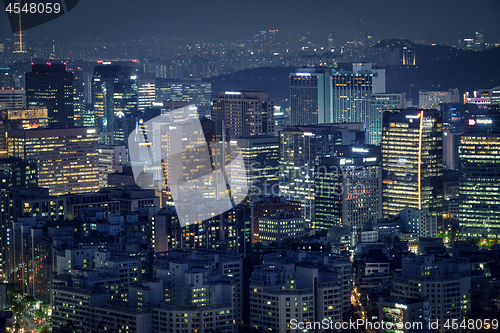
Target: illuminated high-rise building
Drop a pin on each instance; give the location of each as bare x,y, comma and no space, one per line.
192,90
146,89
110,160
348,188
352,93
412,161
479,177
115,99
432,99
301,147
380,104
200,157
11,98
310,95
261,156
245,113
51,86
323,96
20,119
78,95
67,158
14,172
331,41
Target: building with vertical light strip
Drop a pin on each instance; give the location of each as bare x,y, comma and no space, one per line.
67,158
412,161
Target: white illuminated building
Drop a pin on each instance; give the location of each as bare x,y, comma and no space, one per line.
307,287
444,282
279,227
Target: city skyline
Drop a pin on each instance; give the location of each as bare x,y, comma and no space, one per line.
129,20
250,167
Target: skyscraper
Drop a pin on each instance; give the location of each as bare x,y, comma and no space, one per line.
146,89
352,93
380,104
301,147
245,113
348,188
412,161
479,177
310,95
323,95
115,98
67,158
78,95
51,86
261,156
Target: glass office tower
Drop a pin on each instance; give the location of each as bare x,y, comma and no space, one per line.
115,98
51,86
412,161
479,177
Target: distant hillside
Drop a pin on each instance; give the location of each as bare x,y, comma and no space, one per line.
475,70
271,79
466,70
425,54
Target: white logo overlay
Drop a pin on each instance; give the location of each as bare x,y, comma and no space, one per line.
192,161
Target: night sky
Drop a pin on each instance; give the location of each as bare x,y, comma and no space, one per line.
216,20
